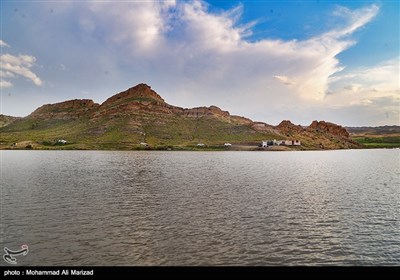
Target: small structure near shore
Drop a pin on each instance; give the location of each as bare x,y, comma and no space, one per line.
296,143
269,143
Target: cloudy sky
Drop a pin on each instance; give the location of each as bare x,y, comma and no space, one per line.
267,60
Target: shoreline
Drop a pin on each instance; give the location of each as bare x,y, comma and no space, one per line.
201,150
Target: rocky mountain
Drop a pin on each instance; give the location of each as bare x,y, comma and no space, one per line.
140,115
67,110
319,134
328,127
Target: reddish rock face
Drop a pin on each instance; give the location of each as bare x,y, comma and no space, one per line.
140,93
205,111
287,127
68,110
142,98
217,111
331,128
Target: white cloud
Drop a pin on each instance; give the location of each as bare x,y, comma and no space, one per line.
198,57
3,44
353,87
366,101
20,65
194,57
138,26
200,45
206,31
354,19
5,84
285,80
6,74
374,92
378,80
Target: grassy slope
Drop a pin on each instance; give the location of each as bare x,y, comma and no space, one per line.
376,137
128,132
6,120
125,128
378,141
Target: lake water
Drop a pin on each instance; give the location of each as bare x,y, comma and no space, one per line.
202,208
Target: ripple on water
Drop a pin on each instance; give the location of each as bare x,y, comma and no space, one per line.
184,208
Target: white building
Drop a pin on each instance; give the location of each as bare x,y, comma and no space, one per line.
267,143
264,144
274,142
292,143
288,142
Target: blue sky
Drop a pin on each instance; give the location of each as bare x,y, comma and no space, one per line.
268,60
304,19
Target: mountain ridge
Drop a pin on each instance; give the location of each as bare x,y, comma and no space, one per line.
139,115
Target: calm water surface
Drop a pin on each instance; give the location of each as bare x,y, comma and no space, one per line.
202,208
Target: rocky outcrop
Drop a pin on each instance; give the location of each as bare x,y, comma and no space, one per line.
205,111
327,127
141,93
217,111
138,99
67,110
287,128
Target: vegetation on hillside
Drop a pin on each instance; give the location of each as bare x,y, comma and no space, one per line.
138,118
378,141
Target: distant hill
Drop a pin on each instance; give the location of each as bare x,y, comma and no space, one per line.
139,115
387,136
377,130
6,120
